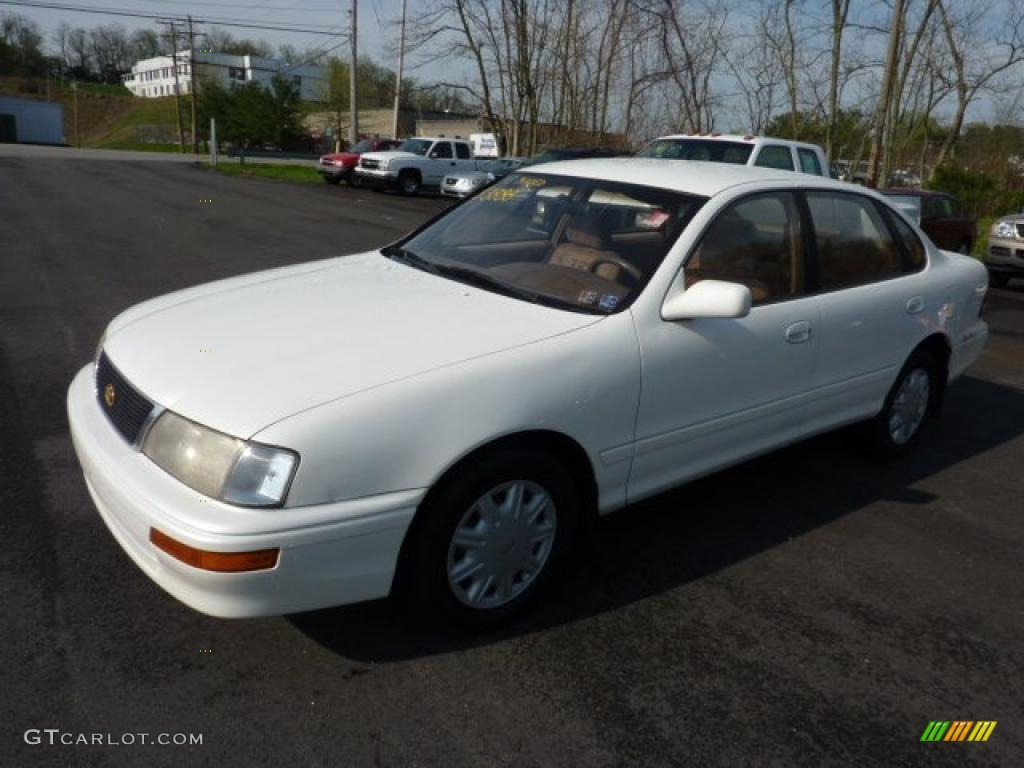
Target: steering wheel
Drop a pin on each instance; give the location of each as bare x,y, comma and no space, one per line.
630,268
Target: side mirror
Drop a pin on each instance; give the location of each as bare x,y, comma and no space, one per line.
708,298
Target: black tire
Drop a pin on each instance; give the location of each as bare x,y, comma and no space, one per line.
332,180
965,248
999,279
409,183
423,575
354,180
884,440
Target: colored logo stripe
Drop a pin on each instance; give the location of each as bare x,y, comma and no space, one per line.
935,730
958,730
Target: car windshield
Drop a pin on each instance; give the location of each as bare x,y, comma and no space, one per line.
362,146
580,244
908,204
500,166
416,146
713,151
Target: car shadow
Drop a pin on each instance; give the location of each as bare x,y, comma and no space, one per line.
687,533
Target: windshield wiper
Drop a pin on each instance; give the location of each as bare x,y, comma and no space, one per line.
483,280
397,253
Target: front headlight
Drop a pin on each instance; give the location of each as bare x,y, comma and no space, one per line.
1004,229
218,465
384,164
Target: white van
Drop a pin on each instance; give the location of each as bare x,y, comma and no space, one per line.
764,152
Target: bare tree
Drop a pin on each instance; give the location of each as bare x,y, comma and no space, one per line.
978,61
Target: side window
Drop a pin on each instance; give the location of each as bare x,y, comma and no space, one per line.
911,244
462,151
441,149
948,206
755,241
854,244
775,156
931,208
809,161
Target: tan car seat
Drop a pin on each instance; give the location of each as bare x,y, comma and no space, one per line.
586,244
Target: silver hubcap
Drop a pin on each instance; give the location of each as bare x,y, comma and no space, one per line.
409,185
909,406
501,544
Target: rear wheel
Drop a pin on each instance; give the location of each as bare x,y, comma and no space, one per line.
965,248
490,540
895,430
331,179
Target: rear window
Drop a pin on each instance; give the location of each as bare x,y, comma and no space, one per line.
809,161
698,149
908,205
775,156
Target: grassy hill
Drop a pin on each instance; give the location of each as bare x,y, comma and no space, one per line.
108,115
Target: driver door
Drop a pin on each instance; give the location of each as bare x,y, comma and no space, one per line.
718,390
442,161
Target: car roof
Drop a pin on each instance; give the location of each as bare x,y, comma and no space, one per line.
695,177
737,137
913,192
441,138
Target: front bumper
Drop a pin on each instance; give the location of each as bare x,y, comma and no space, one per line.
334,171
330,554
372,177
1005,255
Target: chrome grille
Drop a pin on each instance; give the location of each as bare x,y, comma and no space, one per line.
124,405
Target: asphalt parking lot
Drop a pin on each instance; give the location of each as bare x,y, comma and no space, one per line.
808,608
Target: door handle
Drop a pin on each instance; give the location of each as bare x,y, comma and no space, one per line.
798,333
915,305
452,163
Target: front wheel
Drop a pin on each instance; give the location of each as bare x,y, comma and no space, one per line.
409,183
354,180
895,430
490,540
332,180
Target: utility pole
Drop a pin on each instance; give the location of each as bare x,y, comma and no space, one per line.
398,78
74,90
192,86
177,88
353,95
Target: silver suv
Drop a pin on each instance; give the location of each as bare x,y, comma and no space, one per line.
1004,256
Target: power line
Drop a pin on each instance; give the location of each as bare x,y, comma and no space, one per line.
329,31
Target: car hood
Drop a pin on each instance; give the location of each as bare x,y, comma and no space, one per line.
347,157
389,154
241,354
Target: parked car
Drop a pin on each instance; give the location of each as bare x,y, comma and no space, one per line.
1004,256
466,183
941,216
759,151
416,163
554,154
445,416
338,166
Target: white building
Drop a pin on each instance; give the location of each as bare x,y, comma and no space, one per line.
154,77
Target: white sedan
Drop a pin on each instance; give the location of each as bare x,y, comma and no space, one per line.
445,416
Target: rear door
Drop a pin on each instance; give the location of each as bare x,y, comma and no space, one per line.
442,161
464,156
873,304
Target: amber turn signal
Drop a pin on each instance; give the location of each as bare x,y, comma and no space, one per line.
225,562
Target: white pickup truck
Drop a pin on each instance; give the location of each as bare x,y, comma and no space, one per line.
416,163
761,151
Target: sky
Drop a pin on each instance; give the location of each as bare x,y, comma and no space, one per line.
375,31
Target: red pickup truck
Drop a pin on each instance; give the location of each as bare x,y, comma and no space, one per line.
338,166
